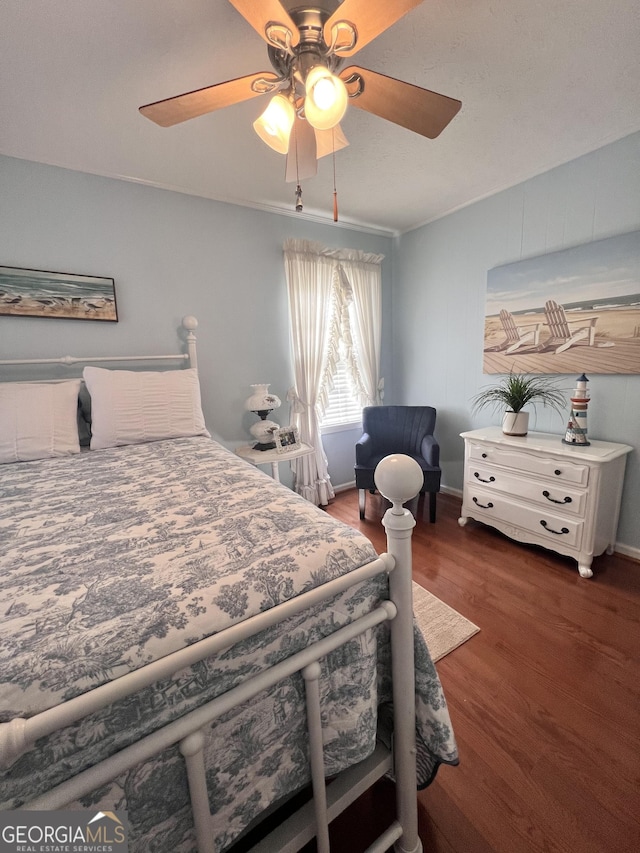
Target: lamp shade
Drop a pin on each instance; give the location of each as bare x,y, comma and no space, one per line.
261,400
327,98
275,123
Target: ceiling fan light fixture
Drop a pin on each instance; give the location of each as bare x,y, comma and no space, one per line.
326,100
275,123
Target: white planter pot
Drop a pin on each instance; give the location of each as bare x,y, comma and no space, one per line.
515,423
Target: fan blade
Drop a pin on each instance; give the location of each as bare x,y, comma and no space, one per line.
260,14
419,110
302,161
328,141
192,104
311,145
369,18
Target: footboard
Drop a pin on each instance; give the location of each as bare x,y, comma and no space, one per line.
398,478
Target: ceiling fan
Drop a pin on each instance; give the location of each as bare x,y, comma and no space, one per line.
307,46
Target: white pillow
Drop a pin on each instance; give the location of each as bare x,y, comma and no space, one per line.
132,407
38,420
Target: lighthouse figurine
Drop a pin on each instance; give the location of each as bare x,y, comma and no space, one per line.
577,427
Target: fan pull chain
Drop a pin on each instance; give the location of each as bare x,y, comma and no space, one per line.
298,187
335,191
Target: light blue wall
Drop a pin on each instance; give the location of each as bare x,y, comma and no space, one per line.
440,274
170,255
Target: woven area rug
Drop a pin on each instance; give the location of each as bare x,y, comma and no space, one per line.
443,628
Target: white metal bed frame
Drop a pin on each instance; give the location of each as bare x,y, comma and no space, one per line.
398,485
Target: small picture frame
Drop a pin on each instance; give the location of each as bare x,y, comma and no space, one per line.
287,438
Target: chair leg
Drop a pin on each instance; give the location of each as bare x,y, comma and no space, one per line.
432,507
362,495
412,505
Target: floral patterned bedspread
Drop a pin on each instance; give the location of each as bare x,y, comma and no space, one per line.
114,558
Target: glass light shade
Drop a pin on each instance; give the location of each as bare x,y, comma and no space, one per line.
327,98
263,431
275,123
261,400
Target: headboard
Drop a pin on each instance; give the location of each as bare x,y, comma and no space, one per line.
54,415
189,324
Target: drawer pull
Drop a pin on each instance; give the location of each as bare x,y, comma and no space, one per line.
551,530
557,472
478,477
565,500
484,455
485,506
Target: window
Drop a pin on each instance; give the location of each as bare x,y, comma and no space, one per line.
345,284
355,382
344,407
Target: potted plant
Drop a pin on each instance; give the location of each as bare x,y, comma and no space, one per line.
512,394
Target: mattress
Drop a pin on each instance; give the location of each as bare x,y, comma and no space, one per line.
115,558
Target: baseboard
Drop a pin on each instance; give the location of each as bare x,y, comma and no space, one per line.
344,487
627,551
447,490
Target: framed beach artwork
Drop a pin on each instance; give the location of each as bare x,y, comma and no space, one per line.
577,310
37,293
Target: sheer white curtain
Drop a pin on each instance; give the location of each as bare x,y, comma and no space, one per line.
334,295
361,280
310,284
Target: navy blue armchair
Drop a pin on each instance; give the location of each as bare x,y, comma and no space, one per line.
398,429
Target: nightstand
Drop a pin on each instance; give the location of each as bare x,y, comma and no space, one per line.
272,457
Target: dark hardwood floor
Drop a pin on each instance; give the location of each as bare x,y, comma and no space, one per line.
545,700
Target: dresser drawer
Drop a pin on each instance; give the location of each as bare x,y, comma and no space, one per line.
486,505
562,470
555,497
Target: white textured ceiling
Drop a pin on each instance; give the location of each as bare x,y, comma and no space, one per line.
541,82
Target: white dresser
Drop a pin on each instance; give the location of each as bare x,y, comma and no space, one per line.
536,489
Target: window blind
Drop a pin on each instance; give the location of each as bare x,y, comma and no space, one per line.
344,405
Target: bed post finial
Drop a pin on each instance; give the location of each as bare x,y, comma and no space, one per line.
191,324
399,478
